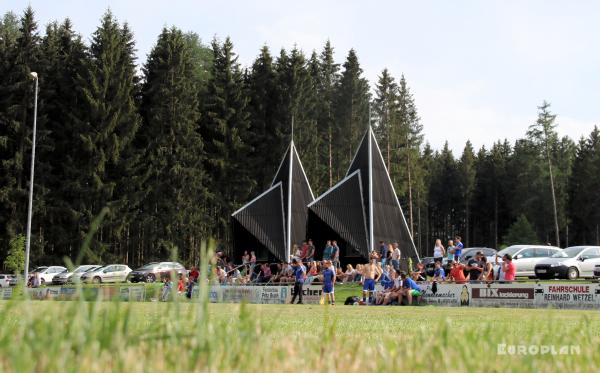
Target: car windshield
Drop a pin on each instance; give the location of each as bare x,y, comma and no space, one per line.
512,250
149,266
82,269
569,252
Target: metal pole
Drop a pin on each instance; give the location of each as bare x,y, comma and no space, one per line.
30,208
370,149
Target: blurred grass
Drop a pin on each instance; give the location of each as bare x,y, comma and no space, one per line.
76,336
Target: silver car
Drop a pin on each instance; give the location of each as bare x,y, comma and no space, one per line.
109,273
74,276
525,257
571,263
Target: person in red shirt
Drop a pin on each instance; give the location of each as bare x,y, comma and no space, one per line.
457,273
508,267
194,274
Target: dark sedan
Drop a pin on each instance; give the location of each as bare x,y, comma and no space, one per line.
156,271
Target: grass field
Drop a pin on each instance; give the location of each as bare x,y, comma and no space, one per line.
76,336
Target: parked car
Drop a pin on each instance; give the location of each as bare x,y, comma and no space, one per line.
64,277
571,263
470,252
153,271
13,280
109,273
47,273
4,281
525,257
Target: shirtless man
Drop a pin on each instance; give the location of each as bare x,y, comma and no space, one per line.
370,275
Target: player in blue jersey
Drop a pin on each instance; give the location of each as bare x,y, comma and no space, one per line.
299,276
458,247
329,282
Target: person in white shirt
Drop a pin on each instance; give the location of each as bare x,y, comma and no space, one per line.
395,256
438,251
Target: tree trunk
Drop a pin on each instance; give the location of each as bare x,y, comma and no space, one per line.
557,232
410,201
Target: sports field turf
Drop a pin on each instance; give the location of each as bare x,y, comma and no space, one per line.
87,336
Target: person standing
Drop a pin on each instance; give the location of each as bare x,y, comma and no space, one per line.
328,251
329,277
370,275
450,251
383,252
508,267
395,256
252,262
310,257
335,258
438,251
299,277
457,248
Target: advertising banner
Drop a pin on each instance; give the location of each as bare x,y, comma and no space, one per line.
274,295
502,295
311,294
6,293
133,293
453,295
567,296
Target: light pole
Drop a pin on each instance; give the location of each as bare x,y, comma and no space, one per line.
30,208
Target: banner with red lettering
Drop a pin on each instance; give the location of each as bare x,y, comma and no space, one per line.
567,295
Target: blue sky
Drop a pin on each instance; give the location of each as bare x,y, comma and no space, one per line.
478,69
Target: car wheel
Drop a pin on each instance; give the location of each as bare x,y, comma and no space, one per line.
572,273
42,281
97,280
150,278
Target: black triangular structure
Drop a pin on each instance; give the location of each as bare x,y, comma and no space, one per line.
296,195
342,209
381,211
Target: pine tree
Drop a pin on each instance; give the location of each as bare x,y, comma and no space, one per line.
110,87
466,181
64,60
327,82
408,138
175,209
225,132
543,135
385,107
520,232
267,136
584,182
351,112
20,56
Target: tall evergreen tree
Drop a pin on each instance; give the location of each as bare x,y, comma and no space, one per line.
20,56
543,134
225,132
327,82
584,183
64,60
175,209
110,87
385,107
409,142
466,181
351,112
267,135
